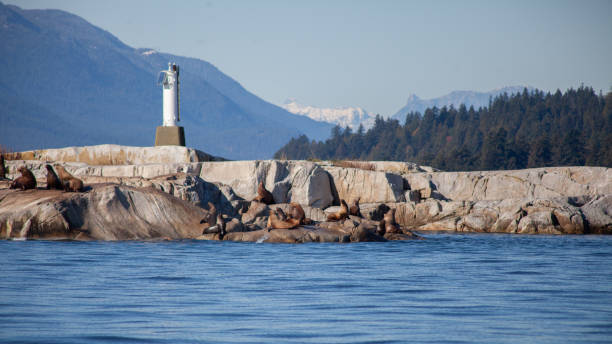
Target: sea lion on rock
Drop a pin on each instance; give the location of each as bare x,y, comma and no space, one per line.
53,181
211,217
2,168
297,212
221,225
25,181
354,209
274,222
70,182
391,227
342,214
378,213
264,196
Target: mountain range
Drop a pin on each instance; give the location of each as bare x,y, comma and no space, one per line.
66,82
455,98
354,116
343,116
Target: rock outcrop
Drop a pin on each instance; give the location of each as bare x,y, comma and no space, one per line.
116,155
536,183
105,212
554,216
302,182
555,200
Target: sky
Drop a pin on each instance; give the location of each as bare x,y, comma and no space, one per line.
370,54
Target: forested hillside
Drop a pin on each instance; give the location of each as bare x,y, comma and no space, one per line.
529,129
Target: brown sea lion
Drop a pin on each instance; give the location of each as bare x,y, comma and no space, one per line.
53,181
25,181
211,217
391,226
70,182
2,168
354,209
342,214
221,225
264,196
297,212
274,222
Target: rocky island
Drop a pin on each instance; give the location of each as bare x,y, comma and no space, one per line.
164,193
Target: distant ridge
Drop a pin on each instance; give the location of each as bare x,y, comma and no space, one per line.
455,98
350,117
66,82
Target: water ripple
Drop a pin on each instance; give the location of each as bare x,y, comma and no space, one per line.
450,288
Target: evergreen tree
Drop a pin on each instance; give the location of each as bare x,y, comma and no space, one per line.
529,129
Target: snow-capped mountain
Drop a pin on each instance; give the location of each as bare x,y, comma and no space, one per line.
342,116
455,98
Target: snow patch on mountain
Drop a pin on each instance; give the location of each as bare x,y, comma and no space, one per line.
342,116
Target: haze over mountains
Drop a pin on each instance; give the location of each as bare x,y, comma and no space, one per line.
66,82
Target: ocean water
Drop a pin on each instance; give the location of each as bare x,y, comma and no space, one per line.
450,288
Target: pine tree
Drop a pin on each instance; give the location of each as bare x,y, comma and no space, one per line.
530,129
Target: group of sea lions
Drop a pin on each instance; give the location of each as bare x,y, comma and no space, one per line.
64,181
277,218
386,225
345,211
295,216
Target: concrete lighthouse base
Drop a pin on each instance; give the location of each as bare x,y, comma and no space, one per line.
170,136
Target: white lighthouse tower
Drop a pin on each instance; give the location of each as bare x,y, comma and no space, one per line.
169,133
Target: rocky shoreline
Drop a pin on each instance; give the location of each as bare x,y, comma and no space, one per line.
163,192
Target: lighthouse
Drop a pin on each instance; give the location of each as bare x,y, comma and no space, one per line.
170,134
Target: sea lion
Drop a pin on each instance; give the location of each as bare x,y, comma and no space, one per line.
297,212
2,168
70,182
211,217
25,181
342,214
274,222
391,226
264,196
53,181
354,209
221,225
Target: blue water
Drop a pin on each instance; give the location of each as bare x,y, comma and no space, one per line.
450,288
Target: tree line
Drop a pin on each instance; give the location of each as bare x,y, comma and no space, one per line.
523,130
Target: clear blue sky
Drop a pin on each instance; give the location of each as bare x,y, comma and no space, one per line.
371,54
